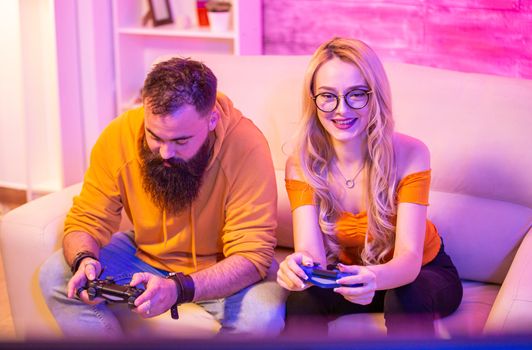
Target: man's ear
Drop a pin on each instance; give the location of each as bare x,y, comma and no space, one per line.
213,120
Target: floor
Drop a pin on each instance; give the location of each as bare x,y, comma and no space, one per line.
7,330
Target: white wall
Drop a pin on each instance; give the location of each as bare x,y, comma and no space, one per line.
12,125
28,91
95,28
40,94
56,90
86,79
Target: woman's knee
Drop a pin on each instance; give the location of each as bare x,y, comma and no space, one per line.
297,301
409,310
411,298
311,301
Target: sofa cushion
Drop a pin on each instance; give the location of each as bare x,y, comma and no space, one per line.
512,310
471,316
481,235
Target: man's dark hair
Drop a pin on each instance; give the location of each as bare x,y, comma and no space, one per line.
176,82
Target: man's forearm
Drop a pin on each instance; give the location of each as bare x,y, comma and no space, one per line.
224,278
76,242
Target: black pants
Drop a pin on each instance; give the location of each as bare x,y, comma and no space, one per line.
409,310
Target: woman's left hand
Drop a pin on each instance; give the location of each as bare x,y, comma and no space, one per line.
360,274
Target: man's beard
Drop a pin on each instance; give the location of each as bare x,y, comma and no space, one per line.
173,188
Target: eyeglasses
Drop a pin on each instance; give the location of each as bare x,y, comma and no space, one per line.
328,102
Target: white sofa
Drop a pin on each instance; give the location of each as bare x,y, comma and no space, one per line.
478,128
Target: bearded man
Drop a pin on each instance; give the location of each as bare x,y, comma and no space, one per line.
196,180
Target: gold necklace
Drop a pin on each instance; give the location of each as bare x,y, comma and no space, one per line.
350,183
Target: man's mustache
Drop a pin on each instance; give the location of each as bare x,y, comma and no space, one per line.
173,162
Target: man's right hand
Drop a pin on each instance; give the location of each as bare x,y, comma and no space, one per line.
88,270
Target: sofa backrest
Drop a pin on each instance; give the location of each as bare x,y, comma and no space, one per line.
478,128
267,89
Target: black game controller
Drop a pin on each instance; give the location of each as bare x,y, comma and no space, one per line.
326,278
113,292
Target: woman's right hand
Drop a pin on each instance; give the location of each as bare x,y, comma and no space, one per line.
290,276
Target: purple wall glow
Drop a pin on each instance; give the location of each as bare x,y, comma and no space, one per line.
484,36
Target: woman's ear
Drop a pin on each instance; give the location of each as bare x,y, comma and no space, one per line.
213,120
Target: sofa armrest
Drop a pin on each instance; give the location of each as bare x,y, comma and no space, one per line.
512,310
29,234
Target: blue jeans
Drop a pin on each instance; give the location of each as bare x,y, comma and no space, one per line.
257,310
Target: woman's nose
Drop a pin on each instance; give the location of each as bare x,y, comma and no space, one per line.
342,105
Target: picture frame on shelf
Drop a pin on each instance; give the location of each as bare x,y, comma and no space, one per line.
160,12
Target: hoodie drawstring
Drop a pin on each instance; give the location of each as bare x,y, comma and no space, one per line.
165,230
193,233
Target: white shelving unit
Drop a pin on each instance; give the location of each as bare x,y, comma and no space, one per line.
136,47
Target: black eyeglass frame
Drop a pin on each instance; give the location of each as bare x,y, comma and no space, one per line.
366,92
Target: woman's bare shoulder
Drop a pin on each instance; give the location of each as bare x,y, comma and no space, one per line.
411,155
293,169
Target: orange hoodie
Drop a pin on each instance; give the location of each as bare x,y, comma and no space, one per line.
235,212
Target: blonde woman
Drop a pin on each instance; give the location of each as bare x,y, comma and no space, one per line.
359,196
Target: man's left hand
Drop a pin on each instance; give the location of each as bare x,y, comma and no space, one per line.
159,296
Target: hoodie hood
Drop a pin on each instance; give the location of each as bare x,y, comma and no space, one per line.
228,120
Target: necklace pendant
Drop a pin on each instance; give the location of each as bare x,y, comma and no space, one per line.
350,183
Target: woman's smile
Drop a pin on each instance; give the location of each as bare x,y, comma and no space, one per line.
344,123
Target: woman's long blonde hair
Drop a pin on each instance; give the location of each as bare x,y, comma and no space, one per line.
316,153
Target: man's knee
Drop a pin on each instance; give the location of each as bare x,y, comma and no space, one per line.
269,324
262,310
53,275
271,303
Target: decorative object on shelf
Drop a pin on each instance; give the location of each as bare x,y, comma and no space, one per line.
184,13
218,6
203,20
159,13
219,12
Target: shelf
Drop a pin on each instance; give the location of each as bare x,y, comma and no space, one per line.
200,33
137,47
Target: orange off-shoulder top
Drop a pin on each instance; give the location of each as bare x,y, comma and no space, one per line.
351,228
